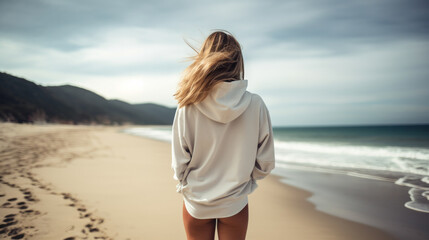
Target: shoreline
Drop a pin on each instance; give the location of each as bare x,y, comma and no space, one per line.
368,201
96,181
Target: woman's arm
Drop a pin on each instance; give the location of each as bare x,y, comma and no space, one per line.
265,153
180,150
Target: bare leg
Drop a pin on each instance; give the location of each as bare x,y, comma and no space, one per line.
198,229
234,227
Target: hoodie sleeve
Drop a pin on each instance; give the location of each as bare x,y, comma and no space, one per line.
180,150
265,153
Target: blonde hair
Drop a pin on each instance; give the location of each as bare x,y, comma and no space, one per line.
219,59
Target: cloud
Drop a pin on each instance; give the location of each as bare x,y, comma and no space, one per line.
314,62
132,69
394,76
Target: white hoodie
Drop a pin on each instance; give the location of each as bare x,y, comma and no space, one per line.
220,147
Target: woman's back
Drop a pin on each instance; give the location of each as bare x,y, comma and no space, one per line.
228,136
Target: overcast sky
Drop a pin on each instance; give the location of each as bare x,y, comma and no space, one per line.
313,62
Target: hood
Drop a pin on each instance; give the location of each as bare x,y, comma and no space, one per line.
226,101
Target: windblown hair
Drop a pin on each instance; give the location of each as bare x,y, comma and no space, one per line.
219,59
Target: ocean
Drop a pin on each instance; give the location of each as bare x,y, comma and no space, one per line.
396,154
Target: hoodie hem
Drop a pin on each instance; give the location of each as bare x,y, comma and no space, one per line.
211,212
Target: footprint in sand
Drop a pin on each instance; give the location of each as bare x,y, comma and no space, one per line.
14,231
29,212
29,198
91,228
7,224
19,236
28,195
6,220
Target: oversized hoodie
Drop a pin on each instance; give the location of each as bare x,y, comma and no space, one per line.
220,147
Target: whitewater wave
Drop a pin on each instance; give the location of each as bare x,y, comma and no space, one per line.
396,159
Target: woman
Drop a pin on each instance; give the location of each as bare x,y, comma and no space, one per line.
222,141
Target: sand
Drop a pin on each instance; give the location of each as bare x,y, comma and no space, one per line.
94,182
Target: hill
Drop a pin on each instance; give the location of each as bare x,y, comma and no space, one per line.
23,101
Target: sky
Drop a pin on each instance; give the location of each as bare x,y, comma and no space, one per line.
314,62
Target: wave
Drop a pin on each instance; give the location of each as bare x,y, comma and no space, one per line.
368,151
395,159
419,192
409,165
159,133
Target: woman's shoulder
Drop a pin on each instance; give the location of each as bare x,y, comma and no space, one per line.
185,111
257,99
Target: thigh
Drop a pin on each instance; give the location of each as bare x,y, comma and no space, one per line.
234,227
199,229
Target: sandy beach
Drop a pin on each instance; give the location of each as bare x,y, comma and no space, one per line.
94,182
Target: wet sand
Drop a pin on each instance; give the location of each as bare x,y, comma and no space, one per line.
378,203
93,182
